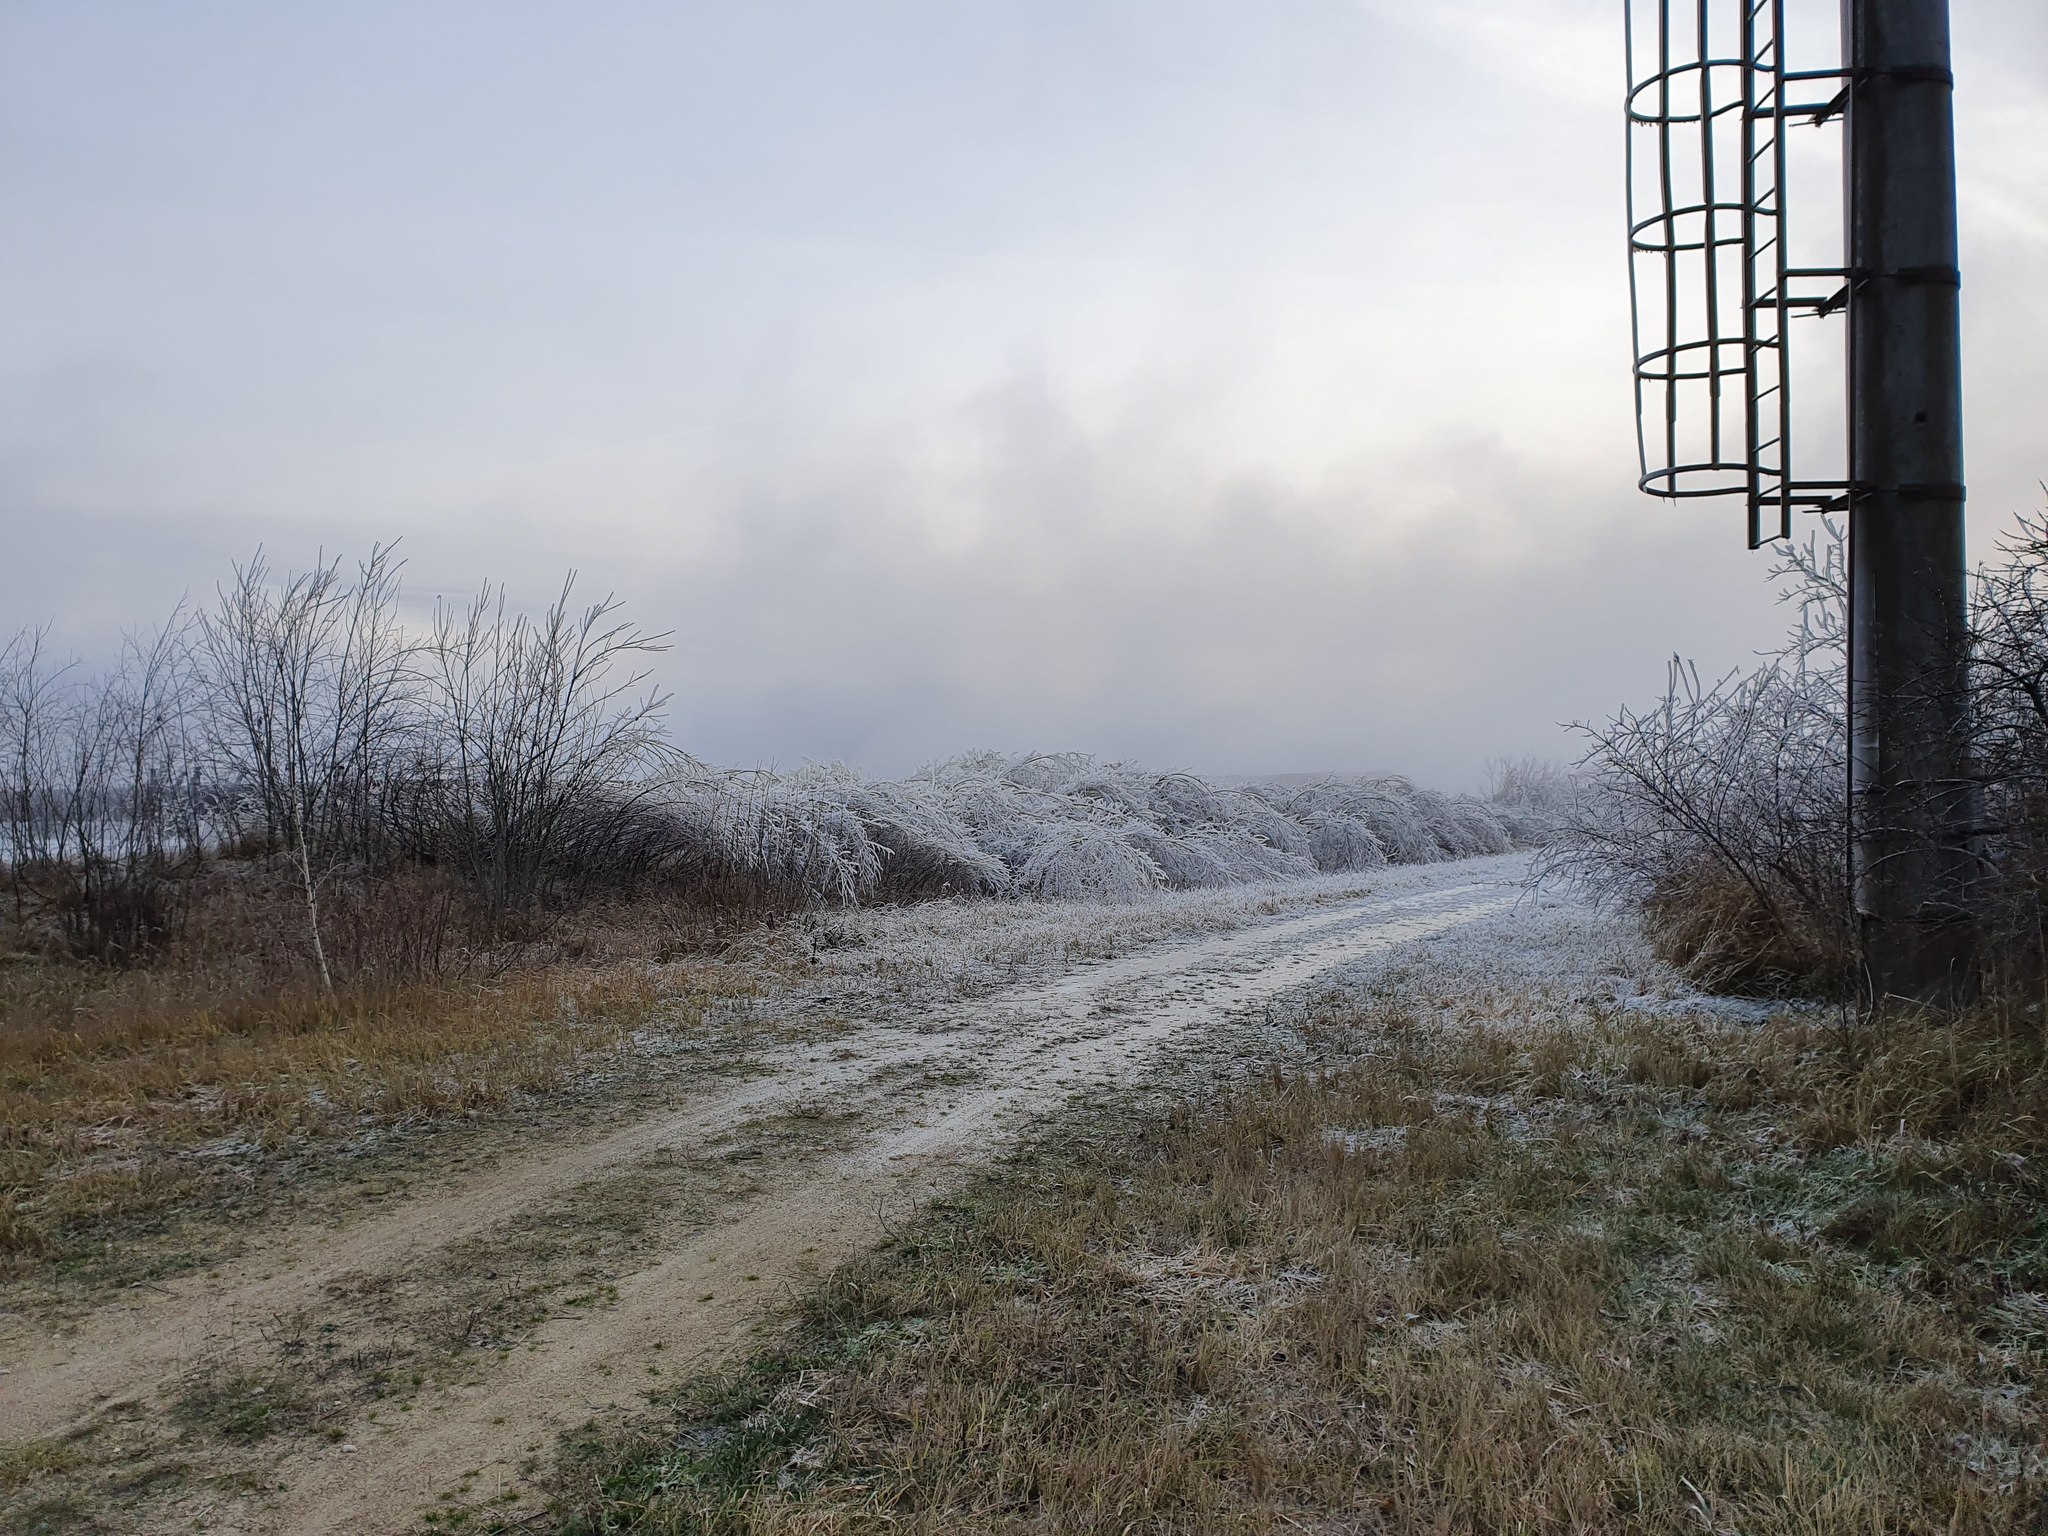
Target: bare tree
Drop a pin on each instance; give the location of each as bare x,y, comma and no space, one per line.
32,695
313,695
551,748
131,812
101,789
2010,656
2009,684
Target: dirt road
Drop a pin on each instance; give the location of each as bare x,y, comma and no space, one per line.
725,1202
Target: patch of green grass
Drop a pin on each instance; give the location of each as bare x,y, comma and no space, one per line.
23,1464
244,1406
50,1514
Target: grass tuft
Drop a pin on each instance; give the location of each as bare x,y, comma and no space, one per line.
244,1406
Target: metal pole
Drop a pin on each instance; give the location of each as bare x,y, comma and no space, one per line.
1912,801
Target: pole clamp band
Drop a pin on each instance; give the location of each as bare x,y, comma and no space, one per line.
1933,276
1912,74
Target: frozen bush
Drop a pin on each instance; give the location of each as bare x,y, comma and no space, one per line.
1004,817
1463,827
1721,809
1255,818
1342,843
1089,861
1212,856
1389,807
1385,807
1179,802
799,837
1530,796
925,847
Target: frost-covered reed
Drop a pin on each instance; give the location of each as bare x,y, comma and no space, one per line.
1054,825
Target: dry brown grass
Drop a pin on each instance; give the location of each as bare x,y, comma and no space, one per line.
125,1096
1731,937
128,1097
1612,1273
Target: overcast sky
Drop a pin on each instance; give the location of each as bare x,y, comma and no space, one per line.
1237,386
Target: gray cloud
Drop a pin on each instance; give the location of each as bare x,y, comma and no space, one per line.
1242,387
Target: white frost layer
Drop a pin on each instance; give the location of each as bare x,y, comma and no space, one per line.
1059,826
964,948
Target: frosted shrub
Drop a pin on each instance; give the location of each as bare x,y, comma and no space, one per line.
1720,809
1179,802
1342,843
1463,827
1249,857
1530,796
1059,825
1259,820
1213,856
1003,817
799,837
1085,861
926,848
1384,807
1388,807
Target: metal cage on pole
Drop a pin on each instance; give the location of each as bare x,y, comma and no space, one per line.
1711,285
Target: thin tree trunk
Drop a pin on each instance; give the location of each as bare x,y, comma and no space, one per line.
312,899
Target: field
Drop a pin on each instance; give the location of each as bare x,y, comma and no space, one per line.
700,1044
1405,1201
272,1293
130,1101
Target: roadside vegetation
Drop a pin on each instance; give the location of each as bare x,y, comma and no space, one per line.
306,868
1722,810
494,770
130,1101
1595,1270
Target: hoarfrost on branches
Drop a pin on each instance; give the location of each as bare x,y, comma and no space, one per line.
1061,826
523,762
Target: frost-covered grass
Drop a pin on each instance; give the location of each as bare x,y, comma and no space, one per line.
1064,826
962,947
1579,1266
